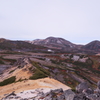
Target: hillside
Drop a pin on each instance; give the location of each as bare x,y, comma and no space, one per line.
54,43
45,83
24,75
70,69
50,45
19,46
66,46
94,45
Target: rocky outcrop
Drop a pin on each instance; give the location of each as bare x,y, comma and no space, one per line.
94,45
21,62
38,94
83,92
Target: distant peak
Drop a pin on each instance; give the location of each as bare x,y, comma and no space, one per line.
3,39
51,37
96,41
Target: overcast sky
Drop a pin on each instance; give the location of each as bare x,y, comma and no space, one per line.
75,20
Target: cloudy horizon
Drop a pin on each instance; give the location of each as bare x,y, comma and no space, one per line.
74,20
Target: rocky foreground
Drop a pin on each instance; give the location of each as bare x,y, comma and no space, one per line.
34,81
83,92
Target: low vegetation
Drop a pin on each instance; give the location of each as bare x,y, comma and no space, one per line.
8,81
46,72
38,74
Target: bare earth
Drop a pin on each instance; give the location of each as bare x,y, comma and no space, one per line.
45,83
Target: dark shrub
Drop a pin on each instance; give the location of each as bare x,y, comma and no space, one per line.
8,81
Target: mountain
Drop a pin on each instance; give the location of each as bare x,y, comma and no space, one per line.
54,43
94,46
19,46
2,40
50,44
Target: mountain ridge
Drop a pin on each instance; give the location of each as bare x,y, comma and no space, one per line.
53,43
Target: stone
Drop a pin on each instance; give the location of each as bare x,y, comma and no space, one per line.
82,86
98,84
88,91
69,94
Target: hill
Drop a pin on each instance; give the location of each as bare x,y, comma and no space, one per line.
19,46
51,45
94,46
55,43
69,69
66,46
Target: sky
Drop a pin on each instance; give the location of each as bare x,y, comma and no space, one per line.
77,21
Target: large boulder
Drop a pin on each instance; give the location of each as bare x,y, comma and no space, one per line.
82,86
69,95
88,91
93,97
80,96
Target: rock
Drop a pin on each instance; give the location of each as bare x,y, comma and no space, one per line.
58,94
98,84
81,87
13,93
88,91
98,87
69,94
79,96
97,90
57,90
53,94
83,93
93,97
21,62
61,97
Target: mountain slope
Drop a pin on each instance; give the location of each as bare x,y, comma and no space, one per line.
45,83
70,69
19,46
94,45
50,44
24,75
57,43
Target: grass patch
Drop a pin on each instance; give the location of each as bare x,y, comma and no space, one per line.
39,72
40,68
37,75
19,66
8,81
